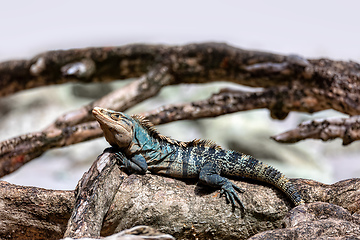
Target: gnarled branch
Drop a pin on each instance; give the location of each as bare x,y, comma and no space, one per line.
347,129
290,83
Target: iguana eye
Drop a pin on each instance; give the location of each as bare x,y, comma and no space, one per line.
117,116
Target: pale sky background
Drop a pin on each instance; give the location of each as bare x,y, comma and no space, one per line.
313,29
309,28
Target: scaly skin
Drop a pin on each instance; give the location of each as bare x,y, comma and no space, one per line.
146,149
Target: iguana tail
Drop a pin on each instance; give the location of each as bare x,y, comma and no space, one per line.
246,166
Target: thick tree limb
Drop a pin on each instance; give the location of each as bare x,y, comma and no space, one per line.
316,221
135,233
347,129
33,213
29,212
94,195
336,82
194,63
82,65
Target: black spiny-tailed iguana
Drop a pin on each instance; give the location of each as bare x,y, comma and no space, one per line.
146,149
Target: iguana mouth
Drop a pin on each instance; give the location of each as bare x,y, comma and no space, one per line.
96,111
99,115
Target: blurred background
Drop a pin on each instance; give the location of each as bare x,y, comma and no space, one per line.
312,29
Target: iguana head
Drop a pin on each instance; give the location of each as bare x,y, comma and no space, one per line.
118,127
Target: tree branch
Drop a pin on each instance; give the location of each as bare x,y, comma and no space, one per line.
194,63
317,220
33,213
279,100
291,83
122,99
347,129
94,195
80,65
175,207
17,151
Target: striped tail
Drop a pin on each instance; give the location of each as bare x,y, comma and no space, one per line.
255,169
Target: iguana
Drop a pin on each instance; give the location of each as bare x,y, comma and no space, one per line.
146,149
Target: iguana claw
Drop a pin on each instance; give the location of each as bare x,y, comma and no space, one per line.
230,194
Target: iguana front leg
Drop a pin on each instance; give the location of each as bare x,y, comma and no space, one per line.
210,175
135,164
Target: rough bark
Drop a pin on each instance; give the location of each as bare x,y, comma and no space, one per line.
175,207
316,221
33,213
135,233
94,194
